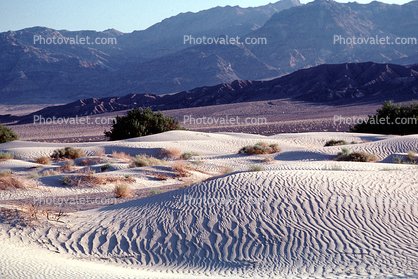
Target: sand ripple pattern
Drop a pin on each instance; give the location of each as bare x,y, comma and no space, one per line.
278,223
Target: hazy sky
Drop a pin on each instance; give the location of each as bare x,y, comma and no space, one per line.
123,15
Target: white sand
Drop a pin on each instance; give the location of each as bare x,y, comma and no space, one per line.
303,216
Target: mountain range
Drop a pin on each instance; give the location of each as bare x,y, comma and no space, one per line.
329,84
156,61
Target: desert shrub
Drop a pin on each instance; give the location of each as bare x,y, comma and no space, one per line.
268,160
256,168
181,169
6,134
334,142
105,167
187,155
44,160
122,190
226,170
144,160
50,172
67,167
391,115
260,148
140,122
172,153
398,160
8,182
93,180
411,157
197,162
121,155
6,173
6,156
361,156
68,153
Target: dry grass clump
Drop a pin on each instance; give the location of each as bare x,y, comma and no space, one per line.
68,153
8,182
67,167
50,172
268,160
361,156
100,152
92,180
171,153
260,148
160,176
144,160
187,155
121,156
122,190
181,169
411,157
256,168
334,142
6,156
44,160
89,161
226,170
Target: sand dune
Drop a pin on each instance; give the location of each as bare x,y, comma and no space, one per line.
304,215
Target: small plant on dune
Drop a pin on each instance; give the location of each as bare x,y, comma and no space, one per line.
197,162
6,156
160,176
268,160
8,182
181,169
256,168
260,148
154,192
361,156
127,176
50,172
44,160
398,159
334,142
68,153
34,175
67,167
144,160
187,155
226,170
105,167
122,190
411,157
121,155
100,152
6,134
6,173
332,168
65,180
390,169
171,153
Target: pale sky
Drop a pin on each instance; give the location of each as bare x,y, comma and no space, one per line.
123,15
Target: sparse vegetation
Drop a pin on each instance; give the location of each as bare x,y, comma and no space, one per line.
44,160
332,168
105,167
181,169
411,157
260,148
92,180
6,134
256,168
171,153
361,156
197,162
392,114
122,190
267,160
6,173
67,167
160,176
144,160
68,153
50,172
187,155
140,122
226,170
6,156
8,182
121,156
334,142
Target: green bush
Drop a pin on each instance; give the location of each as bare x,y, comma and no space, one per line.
140,122
361,156
145,160
334,142
384,121
68,153
6,134
260,148
187,155
6,156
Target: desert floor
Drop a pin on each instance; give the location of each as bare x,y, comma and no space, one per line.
293,214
